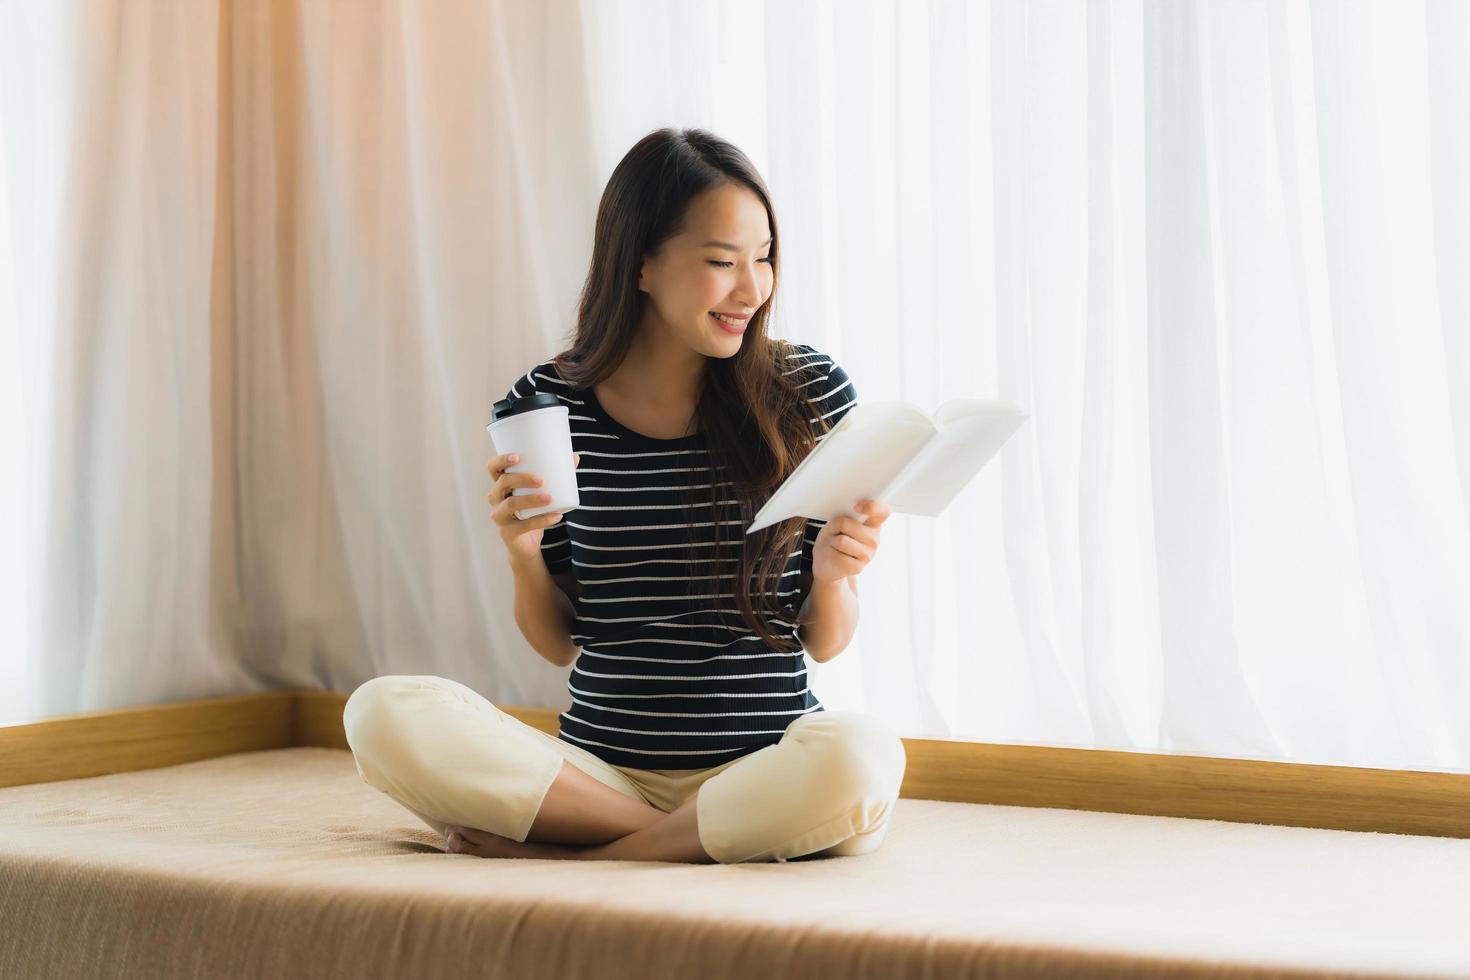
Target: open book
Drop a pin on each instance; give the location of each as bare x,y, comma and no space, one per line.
895,452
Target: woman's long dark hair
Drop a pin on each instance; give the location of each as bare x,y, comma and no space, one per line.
755,419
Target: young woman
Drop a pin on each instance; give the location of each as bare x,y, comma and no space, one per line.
692,735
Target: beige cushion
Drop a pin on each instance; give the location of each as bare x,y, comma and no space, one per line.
284,863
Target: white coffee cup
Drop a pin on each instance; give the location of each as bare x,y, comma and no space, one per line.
538,429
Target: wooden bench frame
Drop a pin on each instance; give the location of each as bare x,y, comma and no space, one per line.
1394,801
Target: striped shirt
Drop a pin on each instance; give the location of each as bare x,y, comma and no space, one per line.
664,680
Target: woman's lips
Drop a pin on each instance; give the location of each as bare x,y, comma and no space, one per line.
729,328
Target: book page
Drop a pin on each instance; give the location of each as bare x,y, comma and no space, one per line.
972,431
859,458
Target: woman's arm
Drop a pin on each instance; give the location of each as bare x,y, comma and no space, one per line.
828,618
544,613
842,550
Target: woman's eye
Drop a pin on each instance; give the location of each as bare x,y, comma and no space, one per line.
726,265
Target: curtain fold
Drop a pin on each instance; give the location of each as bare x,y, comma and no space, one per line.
267,265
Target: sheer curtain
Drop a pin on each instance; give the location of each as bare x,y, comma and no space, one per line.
270,264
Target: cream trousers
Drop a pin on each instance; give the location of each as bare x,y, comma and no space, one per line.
451,757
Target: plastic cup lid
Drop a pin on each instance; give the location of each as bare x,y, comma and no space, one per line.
518,406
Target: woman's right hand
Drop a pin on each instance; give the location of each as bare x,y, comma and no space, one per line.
521,538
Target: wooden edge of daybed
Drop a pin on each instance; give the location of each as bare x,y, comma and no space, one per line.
1394,801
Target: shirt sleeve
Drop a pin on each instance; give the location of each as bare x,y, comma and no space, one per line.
556,545
834,398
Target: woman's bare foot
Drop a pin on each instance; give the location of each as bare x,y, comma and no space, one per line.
482,843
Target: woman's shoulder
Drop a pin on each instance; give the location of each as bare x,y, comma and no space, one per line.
806,360
821,378
811,362
542,378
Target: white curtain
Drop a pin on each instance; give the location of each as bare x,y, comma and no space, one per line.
264,267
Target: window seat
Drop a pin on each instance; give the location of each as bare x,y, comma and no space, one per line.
281,862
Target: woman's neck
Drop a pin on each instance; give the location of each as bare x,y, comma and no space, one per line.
662,376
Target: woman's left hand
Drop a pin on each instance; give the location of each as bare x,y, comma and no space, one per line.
844,546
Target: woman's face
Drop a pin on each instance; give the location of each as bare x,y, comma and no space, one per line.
691,279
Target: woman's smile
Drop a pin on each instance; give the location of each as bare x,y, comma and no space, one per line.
730,324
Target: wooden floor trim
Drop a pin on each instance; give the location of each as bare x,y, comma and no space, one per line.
148,736
1241,790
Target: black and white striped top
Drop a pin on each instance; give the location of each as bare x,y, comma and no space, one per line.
662,682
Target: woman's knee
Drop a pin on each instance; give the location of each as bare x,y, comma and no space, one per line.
375,707
862,751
